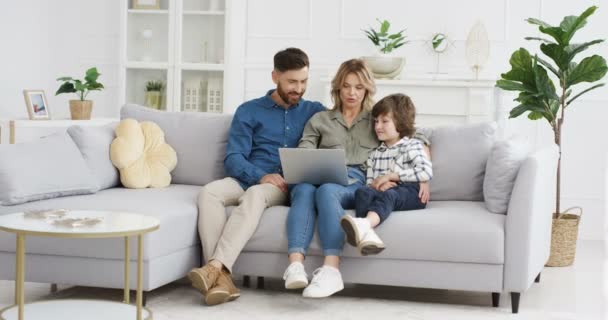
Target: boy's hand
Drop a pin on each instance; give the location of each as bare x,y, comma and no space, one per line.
380,181
387,185
425,192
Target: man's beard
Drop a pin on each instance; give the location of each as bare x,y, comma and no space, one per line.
288,97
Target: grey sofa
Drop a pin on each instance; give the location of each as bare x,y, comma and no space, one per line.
456,243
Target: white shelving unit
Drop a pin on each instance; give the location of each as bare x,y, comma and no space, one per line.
185,45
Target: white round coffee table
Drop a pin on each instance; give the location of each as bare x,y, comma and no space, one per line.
99,224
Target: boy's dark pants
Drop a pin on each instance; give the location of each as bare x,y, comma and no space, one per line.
402,197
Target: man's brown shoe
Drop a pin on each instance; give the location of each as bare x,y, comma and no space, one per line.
204,278
223,291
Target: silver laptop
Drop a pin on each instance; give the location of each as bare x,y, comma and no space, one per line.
314,166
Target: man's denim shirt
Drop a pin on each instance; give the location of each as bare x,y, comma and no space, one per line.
259,128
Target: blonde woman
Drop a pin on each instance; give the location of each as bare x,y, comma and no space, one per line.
349,126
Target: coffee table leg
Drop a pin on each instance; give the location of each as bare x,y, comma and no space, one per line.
20,277
140,272
127,293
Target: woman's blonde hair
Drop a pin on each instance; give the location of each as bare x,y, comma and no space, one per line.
359,68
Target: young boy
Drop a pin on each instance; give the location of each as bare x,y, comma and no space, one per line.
395,171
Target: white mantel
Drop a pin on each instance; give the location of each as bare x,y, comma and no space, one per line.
444,101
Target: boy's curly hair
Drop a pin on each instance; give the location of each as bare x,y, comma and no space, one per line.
401,108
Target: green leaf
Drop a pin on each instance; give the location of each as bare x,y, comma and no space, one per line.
64,79
79,86
538,22
555,32
518,111
571,24
557,54
510,85
91,75
543,83
67,87
384,26
539,39
549,66
535,115
583,92
574,49
589,69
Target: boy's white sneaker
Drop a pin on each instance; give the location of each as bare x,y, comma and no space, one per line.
355,229
295,276
325,282
371,243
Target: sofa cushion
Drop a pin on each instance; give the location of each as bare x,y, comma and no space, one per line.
142,155
175,206
459,156
199,139
501,170
447,231
94,144
41,169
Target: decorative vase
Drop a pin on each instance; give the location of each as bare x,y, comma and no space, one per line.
385,66
81,109
153,99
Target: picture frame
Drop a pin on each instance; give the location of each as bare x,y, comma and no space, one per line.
146,4
37,105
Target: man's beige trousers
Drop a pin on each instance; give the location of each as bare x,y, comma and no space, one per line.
224,238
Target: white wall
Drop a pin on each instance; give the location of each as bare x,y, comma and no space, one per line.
43,40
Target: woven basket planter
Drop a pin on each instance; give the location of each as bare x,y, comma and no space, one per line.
563,238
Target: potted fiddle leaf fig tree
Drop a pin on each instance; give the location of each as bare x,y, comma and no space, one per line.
81,109
384,64
532,77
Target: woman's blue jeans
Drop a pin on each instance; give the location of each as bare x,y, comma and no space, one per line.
326,201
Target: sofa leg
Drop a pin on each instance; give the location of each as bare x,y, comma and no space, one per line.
537,280
53,287
260,282
515,302
144,296
246,281
495,299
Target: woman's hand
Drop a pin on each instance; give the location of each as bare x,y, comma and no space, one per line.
425,192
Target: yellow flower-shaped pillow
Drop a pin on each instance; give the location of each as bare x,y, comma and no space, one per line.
141,154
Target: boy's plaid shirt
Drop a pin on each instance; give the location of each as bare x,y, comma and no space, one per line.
406,158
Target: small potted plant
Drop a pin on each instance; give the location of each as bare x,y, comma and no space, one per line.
153,94
81,109
384,64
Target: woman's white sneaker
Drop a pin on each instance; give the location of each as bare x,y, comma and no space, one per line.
325,282
295,276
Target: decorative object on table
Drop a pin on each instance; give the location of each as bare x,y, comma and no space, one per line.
214,95
154,94
37,106
146,36
45,214
477,47
531,76
141,155
383,64
77,222
81,109
193,94
146,4
439,44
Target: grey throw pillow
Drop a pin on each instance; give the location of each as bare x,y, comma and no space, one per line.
459,155
198,138
42,169
94,144
501,170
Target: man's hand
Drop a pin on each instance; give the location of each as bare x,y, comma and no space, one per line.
425,192
275,179
387,185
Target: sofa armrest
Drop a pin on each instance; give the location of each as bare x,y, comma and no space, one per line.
529,219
